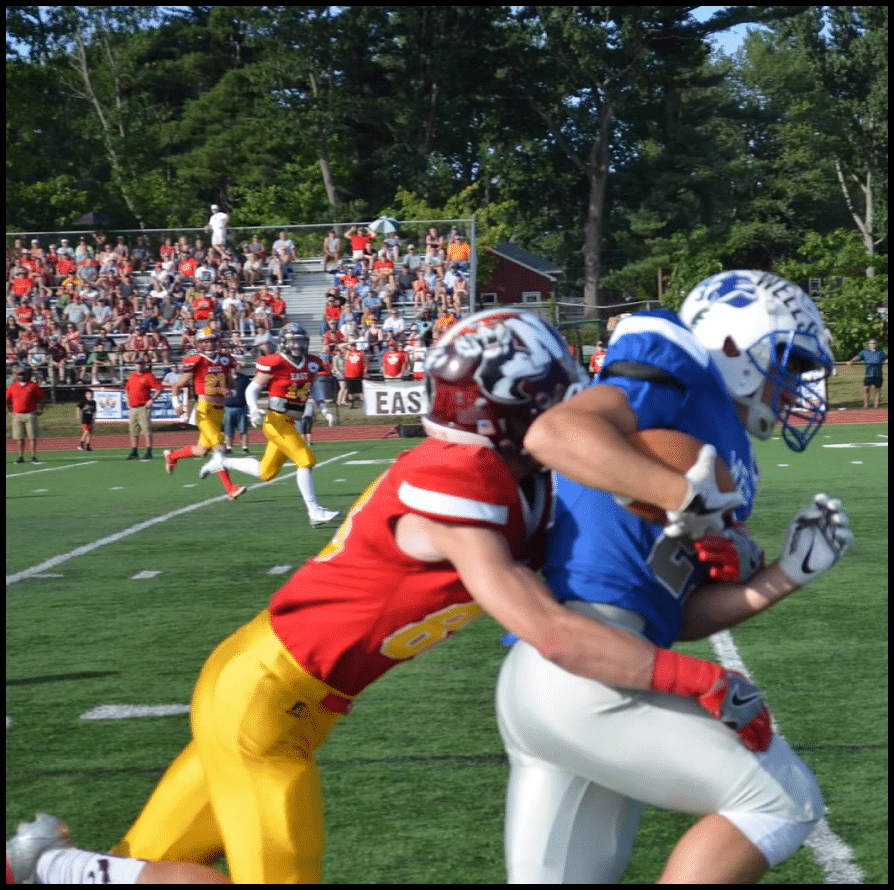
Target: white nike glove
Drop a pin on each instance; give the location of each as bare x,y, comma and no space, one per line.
815,540
256,418
703,507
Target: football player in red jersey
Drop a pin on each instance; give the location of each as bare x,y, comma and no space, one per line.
453,529
288,375
211,374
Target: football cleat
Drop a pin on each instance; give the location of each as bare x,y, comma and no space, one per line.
322,515
214,465
169,464
31,840
234,492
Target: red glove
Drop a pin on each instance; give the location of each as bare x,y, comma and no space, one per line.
726,695
732,555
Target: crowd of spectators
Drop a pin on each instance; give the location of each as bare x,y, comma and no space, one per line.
84,311
374,289
79,310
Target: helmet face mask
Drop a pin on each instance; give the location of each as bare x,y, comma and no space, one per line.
491,375
767,338
294,341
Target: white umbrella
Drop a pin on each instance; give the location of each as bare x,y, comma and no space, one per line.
384,225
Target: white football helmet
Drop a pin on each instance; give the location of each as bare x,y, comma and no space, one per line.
760,327
207,340
491,374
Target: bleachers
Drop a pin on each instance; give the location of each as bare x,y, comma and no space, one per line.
304,295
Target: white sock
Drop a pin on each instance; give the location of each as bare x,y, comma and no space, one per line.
251,466
73,866
306,487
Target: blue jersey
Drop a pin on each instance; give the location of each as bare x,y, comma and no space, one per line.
600,552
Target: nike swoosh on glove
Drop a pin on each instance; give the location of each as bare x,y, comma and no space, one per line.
815,540
704,506
732,556
735,701
725,695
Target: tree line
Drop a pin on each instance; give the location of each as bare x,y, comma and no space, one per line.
613,140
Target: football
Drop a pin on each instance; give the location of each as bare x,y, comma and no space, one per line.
676,450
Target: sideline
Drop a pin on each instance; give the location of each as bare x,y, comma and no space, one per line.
831,853
139,527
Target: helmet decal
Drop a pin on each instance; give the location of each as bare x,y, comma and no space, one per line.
491,374
778,336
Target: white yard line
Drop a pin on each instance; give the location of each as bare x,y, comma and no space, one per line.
832,854
54,561
48,469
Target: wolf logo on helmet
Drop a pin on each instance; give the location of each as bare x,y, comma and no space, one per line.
760,327
492,374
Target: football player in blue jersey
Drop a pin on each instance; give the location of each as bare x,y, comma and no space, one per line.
585,757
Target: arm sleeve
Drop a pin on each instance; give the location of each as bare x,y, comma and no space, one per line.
251,397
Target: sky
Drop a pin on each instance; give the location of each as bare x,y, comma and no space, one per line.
728,41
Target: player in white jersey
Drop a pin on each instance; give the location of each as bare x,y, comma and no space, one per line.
586,757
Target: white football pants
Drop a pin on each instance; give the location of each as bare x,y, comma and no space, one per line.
585,757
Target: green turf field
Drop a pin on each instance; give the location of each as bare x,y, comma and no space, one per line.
121,580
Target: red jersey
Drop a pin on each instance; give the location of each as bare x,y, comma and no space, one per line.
394,362
22,285
210,374
187,267
596,360
355,363
65,265
23,397
362,605
139,388
290,381
203,307
24,314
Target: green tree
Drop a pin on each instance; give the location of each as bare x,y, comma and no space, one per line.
851,303
821,79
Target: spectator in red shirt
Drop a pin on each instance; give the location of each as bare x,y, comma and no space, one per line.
65,266
25,401
394,361
25,313
278,310
203,308
22,283
187,266
360,239
597,358
141,388
355,370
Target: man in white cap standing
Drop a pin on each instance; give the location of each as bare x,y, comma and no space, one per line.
217,225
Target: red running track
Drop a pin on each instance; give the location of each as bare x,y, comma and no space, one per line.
340,434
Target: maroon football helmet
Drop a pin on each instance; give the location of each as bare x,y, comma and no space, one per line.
491,374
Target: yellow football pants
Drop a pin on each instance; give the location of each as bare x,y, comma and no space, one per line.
247,785
284,443
209,419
